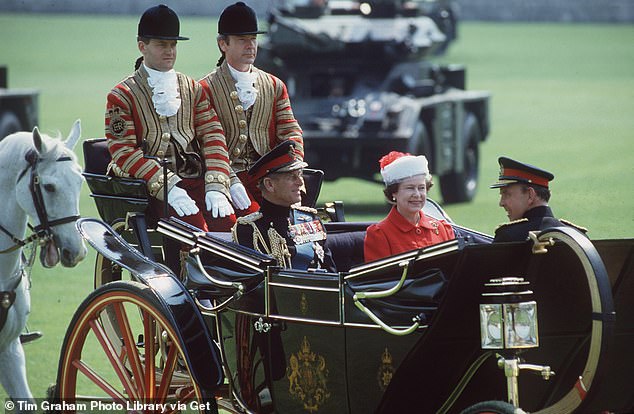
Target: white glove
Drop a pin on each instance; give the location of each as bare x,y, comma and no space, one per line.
181,202
239,196
218,204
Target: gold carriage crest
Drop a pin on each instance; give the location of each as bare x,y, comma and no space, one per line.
307,376
386,370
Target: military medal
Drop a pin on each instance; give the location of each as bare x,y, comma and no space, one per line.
308,231
319,251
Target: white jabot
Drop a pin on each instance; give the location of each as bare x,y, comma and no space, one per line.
165,95
245,86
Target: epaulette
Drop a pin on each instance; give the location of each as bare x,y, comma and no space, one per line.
573,225
305,209
249,218
510,223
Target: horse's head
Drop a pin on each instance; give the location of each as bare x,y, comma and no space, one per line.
48,191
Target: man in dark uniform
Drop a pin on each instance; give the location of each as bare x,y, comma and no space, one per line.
524,194
291,233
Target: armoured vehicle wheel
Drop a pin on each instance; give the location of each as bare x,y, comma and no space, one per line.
144,365
9,123
493,407
461,186
419,143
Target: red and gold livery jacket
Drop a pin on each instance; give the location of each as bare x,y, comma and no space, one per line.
131,119
395,234
252,133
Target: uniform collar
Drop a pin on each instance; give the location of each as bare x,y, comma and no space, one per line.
540,211
274,210
239,75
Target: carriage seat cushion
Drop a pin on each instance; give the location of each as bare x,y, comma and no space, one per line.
346,248
96,156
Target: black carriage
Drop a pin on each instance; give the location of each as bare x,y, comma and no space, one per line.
456,326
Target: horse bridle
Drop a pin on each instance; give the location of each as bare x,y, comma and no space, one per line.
43,231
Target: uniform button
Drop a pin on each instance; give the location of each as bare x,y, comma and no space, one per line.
160,179
209,179
234,95
242,138
239,109
242,123
236,151
221,179
160,153
418,231
165,136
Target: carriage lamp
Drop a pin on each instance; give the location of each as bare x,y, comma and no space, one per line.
509,320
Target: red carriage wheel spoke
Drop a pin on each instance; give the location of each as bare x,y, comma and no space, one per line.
149,355
130,350
168,372
99,381
117,364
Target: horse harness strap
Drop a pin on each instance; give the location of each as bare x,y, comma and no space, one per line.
7,299
43,230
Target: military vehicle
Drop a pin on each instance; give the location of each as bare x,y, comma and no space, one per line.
18,107
361,85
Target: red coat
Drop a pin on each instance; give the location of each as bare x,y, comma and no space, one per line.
395,234
131,119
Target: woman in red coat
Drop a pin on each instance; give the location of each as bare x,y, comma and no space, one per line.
407,180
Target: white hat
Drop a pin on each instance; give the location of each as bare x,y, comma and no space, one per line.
397,166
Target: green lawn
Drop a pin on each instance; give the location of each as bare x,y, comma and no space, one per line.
563,99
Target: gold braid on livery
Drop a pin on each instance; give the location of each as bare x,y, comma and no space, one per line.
132,124
252,133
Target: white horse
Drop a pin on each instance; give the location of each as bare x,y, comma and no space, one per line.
40,180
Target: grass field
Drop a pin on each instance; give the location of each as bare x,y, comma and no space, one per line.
563,98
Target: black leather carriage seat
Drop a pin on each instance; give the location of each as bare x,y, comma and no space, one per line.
114,197
346,249
312,181
96,156
345,241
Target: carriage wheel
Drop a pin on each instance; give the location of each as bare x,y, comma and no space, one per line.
144,365
107,271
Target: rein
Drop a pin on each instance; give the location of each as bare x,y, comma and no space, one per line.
42,231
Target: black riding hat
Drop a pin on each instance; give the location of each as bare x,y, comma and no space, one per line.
238,19
160,22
